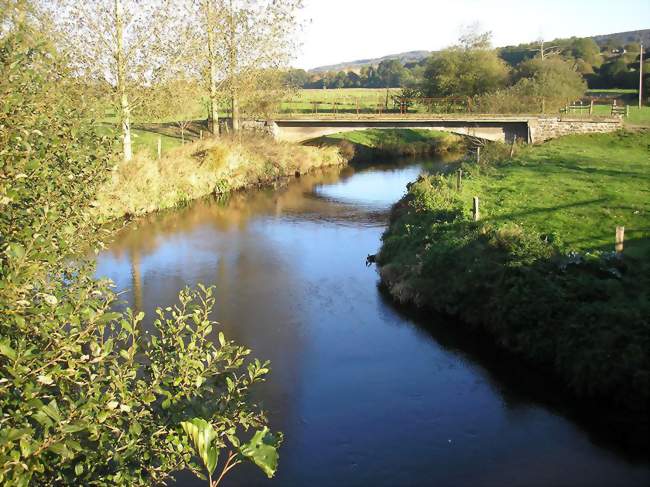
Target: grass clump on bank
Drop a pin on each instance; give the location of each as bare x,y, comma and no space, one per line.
364,145
191,171
537,272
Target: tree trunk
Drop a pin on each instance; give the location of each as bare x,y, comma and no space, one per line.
233,71
125,108
213,109
235,113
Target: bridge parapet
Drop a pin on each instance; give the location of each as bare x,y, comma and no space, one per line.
547,128
531,129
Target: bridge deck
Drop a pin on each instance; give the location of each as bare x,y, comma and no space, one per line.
503,128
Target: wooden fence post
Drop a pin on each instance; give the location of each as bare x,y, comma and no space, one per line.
620,238
200,134
475,210
459,179
478,155
591,107
159,147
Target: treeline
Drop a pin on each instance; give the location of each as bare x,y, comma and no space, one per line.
611,65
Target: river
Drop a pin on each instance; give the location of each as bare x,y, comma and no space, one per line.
365,393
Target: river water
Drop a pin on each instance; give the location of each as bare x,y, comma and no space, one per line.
365,393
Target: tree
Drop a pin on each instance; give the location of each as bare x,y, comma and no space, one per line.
353,80
468,69
124,43
297,78
176,101
586,49
88,398
617,74
249,37
391,72
553,78
547,83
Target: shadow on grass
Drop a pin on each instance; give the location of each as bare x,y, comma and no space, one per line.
540,210
561,167
192,131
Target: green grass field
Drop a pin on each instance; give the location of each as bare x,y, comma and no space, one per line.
144,140
341,99
638,116
577,187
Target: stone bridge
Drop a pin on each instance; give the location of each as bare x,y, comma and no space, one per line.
531,129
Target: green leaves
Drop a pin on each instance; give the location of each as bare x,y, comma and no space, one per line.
203,437
6,350
262,449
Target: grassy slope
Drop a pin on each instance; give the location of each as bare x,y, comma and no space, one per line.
587,317
197,169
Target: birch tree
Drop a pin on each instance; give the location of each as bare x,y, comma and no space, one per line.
244,39
126,44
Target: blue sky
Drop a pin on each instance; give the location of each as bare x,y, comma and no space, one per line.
344,30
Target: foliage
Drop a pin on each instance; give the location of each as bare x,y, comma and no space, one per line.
391,73
242,40
550,81
585,49
87,395
537,272
123,45
466,70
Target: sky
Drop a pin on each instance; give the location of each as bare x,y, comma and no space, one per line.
345,30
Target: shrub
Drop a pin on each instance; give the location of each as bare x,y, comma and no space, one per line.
85,396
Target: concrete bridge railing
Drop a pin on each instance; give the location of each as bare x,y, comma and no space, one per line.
531,129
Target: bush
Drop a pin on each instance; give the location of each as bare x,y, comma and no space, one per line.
540,83
85,396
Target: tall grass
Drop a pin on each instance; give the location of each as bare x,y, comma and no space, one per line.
191,171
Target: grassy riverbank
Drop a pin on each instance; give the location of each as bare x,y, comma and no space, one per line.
193,170
365,145
537,272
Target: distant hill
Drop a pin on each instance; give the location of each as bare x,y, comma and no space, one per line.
414,56
404,57
624,37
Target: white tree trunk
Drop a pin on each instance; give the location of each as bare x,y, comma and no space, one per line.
233,72
213,110
125,109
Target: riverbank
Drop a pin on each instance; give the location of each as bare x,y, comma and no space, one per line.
372,144
146,184
537,272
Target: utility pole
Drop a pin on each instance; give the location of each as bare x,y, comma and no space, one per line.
641,76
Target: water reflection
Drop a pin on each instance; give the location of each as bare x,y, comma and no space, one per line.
363,394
